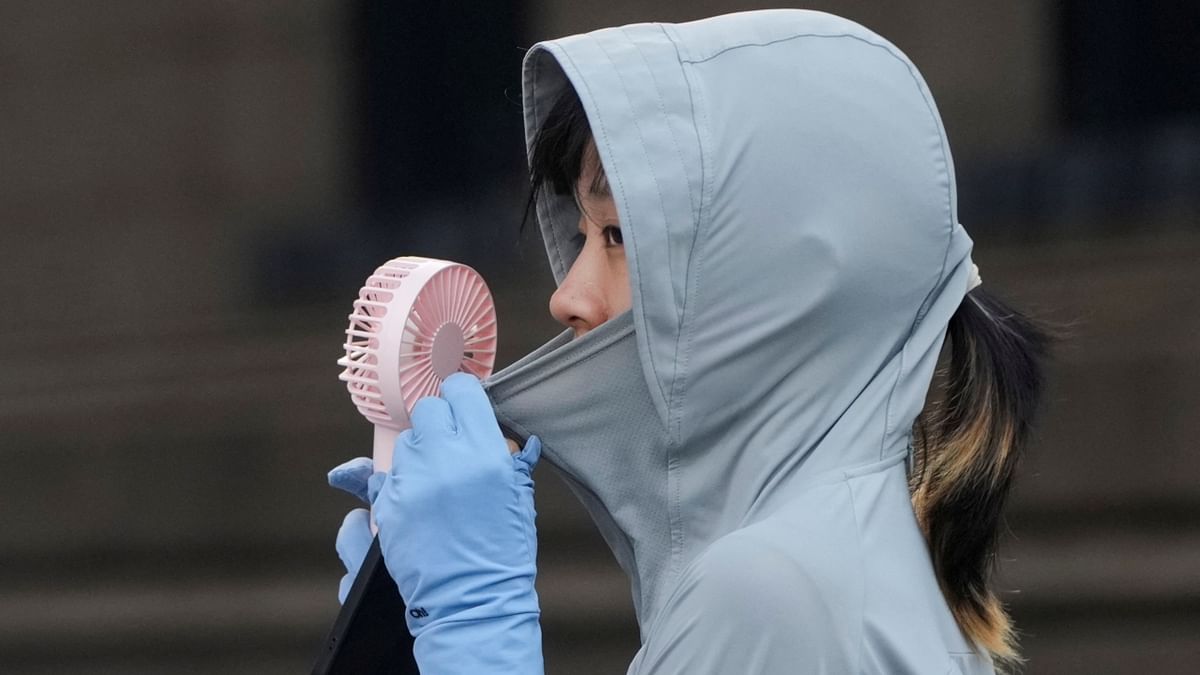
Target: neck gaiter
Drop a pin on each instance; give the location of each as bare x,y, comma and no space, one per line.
588,402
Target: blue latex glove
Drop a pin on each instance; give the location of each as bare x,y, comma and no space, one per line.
354,537
456,527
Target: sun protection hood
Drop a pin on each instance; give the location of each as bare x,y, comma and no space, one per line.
786,195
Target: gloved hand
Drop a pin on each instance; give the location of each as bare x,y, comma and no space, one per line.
456,527
354,536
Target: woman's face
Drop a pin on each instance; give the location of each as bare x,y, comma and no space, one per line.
596,287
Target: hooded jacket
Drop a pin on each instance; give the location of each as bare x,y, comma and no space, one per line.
787,200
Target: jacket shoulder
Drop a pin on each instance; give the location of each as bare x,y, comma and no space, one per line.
753,602
768,574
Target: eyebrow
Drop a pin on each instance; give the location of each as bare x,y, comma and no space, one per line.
600,186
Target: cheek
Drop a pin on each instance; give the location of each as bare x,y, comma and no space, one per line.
617,285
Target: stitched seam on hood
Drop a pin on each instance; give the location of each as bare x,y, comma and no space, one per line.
674,513
945,172
559,263
675,145
695,253
684,335
667,399
643,340
687,314
789,38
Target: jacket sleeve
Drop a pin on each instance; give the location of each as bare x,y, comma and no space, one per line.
746,607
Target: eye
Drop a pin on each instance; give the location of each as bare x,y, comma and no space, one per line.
612,236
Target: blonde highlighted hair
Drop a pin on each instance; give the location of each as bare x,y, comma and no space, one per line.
967,443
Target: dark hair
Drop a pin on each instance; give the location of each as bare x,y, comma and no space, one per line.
967,446
560,149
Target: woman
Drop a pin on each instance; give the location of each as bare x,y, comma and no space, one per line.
752,220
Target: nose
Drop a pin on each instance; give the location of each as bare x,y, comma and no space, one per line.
580,303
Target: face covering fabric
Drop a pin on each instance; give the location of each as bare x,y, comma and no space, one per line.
786,197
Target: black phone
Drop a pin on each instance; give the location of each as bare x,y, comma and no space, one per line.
370,635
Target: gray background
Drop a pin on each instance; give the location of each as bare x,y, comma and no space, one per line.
190,194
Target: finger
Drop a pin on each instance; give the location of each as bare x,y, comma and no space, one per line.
344,587
353,539
403,452
352,476
431,415
375,485
468,402
530,454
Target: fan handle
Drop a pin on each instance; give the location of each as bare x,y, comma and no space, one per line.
385,442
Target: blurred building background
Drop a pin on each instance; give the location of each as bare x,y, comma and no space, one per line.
191,193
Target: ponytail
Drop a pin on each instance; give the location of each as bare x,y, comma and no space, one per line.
966,450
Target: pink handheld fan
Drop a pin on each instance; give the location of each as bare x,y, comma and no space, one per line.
416,321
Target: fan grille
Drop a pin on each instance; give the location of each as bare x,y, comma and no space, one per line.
449,326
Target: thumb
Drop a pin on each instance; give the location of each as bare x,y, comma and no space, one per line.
375,486
353,541
528,458
352,476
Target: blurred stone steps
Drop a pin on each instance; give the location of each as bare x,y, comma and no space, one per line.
172,508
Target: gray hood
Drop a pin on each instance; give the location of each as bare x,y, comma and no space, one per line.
786,196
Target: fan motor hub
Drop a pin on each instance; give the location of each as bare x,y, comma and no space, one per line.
448,347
